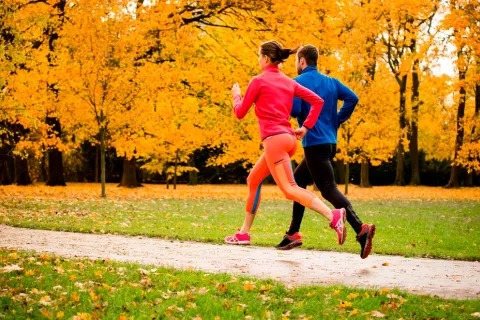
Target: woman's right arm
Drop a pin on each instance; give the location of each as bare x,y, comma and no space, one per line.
312,98
241,106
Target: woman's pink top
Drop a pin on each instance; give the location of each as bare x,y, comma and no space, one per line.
273,92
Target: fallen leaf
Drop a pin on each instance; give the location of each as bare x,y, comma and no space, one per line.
352,296
384,291
345,304
11,268
288,300
353,312
377,314
202,290
45,301
385,264
248,286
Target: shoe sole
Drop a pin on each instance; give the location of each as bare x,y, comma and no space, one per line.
242,243
291,245
369,242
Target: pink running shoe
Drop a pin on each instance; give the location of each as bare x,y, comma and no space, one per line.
338,224
238,238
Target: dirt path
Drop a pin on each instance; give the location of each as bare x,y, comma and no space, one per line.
448,279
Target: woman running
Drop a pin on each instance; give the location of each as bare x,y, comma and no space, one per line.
273,92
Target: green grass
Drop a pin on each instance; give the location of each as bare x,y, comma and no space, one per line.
53,287
439,229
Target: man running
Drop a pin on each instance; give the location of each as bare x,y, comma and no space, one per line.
320,147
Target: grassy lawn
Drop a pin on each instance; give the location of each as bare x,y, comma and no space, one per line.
42,286
448,228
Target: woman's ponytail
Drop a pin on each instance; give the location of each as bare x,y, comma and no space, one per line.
275,51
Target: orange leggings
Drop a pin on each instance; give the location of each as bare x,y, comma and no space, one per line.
276,161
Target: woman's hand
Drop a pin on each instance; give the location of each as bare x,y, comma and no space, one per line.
300,133
236,90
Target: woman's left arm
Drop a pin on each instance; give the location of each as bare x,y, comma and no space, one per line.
312,98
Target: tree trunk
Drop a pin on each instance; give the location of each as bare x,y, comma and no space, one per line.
192,175
341,171
22,177
5,172
469,180
175,172
454,174
43,167
55,161
129,175
102,154
399,178
364,175
97,163
415,175
347,176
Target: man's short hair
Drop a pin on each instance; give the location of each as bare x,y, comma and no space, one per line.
309,53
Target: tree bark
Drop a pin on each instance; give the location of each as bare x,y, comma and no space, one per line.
5,171
43,167
22,177
399,178
129,175
102,154
469,180
192,175
55,159
97,163
414,154
364,175
454,174
175,172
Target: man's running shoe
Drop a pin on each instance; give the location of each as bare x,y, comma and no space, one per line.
338,224
238,238
365,238
290,242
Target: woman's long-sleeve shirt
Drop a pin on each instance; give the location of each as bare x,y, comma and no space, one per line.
272,93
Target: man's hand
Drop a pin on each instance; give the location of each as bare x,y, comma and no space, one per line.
236,90
300,133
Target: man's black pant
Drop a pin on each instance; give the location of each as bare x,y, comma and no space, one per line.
316,166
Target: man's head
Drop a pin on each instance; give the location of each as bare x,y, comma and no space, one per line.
306,56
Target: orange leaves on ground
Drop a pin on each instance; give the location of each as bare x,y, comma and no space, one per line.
89,191
248,286
345,304
377,314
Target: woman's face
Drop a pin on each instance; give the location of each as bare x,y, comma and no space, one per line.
263,60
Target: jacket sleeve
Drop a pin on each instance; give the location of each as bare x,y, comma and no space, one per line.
242,105
350,100
315,101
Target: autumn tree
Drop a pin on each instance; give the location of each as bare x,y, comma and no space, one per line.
465,38
98,49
